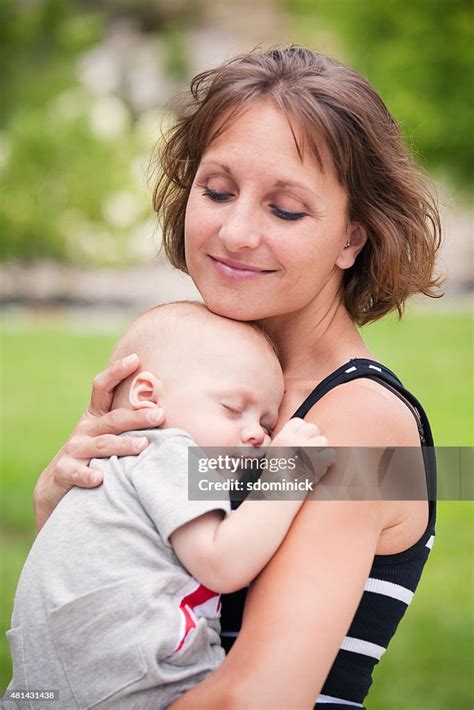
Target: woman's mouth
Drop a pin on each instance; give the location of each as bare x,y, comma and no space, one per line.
238,270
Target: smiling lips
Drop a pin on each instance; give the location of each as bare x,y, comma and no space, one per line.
237,270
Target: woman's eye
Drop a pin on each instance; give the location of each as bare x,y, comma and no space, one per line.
219,196
284,214
216,195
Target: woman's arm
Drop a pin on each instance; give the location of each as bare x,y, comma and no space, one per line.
94,436
300,607
297,612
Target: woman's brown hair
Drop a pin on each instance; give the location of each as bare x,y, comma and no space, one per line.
329,101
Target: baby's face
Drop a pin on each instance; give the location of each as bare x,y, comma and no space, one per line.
229,394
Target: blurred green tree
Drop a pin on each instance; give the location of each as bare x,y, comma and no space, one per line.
68,190
38,44
418,54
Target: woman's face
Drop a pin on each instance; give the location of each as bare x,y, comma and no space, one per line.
265,231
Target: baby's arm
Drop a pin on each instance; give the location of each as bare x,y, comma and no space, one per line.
226,555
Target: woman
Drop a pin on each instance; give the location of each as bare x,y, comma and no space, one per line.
288,196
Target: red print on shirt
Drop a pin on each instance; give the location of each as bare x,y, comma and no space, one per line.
198,601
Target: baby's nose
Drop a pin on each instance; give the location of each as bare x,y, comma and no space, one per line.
254,436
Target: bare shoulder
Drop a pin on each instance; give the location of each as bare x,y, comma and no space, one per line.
364,413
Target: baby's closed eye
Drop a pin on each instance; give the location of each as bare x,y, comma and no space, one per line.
232,407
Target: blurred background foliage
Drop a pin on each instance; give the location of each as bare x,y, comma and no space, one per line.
73,148
75,133
418,55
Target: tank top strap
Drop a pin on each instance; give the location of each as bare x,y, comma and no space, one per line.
358,368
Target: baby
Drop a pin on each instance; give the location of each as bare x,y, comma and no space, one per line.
118,602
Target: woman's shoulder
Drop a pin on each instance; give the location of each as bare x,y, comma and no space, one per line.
363,412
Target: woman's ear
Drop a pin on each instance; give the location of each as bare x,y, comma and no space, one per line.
355,241
145,391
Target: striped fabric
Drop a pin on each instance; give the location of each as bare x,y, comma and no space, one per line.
337,701
392,581
365,648
389,589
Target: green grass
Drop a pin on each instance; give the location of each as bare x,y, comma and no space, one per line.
433,356
46,378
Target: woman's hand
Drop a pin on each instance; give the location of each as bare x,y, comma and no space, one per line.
96,435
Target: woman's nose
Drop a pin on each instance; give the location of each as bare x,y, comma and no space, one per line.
240,229
253,436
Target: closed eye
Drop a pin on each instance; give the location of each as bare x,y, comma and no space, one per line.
216,195
230,408
284,214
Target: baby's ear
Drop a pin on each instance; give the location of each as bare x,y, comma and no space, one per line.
145,391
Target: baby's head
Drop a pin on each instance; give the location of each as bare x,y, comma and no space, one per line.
218,379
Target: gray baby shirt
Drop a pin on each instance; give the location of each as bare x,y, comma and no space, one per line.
104,612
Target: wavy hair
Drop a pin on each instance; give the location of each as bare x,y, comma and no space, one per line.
387,192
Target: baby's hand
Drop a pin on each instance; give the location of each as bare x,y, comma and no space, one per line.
297,432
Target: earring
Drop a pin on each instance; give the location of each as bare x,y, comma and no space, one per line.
348,244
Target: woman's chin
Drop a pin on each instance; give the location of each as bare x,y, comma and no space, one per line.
237,310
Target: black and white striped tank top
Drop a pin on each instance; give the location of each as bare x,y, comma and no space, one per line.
392,580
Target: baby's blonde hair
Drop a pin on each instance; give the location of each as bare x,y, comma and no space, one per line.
158,336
